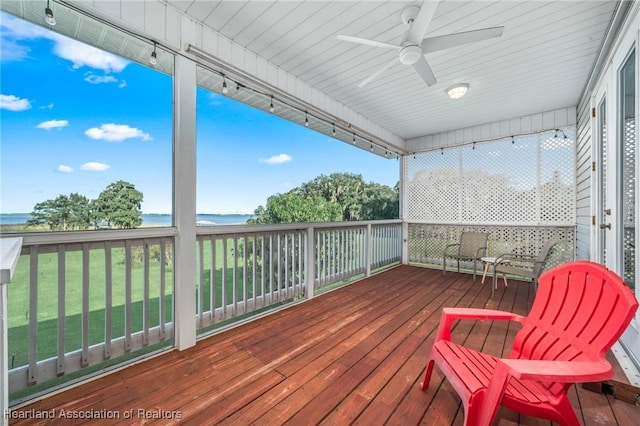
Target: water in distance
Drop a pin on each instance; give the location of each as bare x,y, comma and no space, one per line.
152,219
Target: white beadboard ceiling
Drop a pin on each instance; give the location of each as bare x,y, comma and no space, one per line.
542,61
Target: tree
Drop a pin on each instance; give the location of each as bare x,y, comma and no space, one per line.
293,208
120,205
344,189
315,201
64,213
381,202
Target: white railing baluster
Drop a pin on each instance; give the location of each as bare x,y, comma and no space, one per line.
363,250
254,273
161,302
127,295
263,287
287,258
367,250
61,308
234,275
200,284
279,265
108,298
213,280
318,241
310,267
271,272
245,284
145,297
339,253
33,315
248,304
225,311
85,304
300,268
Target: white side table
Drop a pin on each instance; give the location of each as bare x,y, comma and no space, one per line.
491,261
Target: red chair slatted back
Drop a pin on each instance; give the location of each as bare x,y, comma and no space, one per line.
580,311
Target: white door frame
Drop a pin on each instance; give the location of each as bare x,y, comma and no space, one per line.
609,87
597,191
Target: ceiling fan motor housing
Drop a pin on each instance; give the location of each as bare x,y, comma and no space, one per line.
410,54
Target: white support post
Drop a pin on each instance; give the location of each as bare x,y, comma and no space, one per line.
184,202
310,263
4,357
368,249
403,211
10,249
405,243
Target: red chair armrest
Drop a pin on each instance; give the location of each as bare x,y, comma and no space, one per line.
449,315
559,371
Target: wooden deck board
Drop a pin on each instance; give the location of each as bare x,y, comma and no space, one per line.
355,355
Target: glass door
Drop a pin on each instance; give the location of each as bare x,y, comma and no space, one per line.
626,193
627,172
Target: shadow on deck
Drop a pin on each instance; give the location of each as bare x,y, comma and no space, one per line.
353,355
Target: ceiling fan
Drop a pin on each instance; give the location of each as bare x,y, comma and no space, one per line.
414,45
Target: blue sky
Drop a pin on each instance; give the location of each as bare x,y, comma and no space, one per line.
74,119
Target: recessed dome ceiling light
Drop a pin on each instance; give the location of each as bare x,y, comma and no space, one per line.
457,91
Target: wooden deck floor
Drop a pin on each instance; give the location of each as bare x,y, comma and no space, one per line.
351,356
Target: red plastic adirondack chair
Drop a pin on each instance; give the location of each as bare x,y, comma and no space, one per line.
579,312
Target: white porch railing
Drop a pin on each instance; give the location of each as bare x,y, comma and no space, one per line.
82,298
9,253
88,297
92,296
427,241
243,269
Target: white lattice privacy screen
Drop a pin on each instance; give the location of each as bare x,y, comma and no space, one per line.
527,180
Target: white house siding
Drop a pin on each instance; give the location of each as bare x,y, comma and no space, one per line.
585,204
512,127
583,180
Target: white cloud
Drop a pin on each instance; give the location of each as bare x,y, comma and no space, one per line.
19,28
83,55
12,30
93,166
277,159
99,79
53,124
15,30
12,50
123,84
64,169
50,106
116,133
14,103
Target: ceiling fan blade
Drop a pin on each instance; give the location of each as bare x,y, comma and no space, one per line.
419,26
424,70
368,42
378,73
433,44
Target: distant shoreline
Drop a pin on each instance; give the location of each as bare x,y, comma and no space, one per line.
148,219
